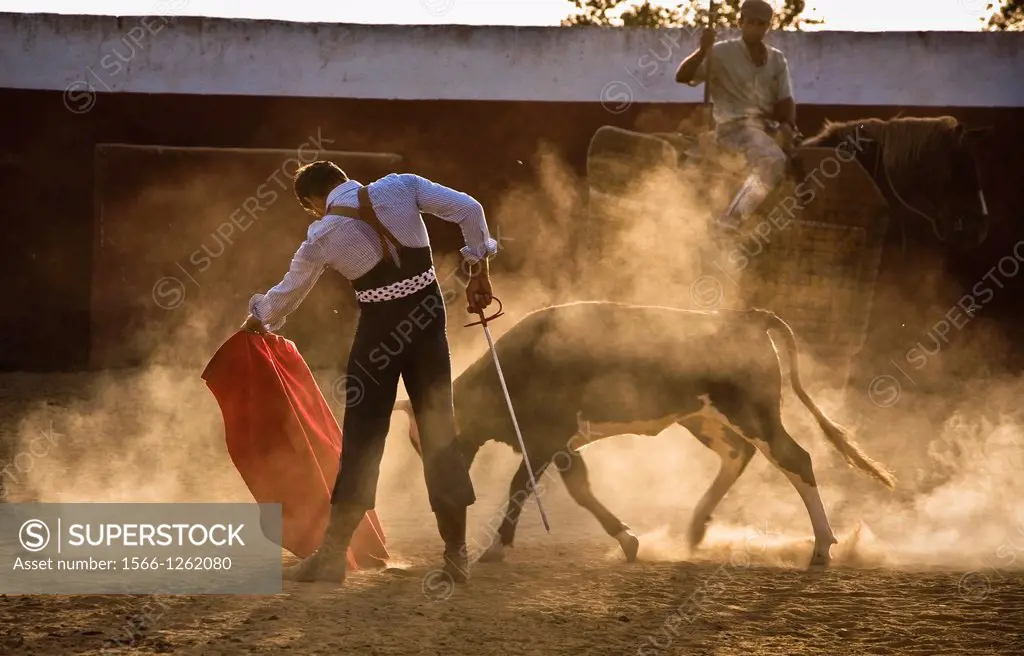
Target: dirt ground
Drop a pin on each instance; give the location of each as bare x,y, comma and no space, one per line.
570,592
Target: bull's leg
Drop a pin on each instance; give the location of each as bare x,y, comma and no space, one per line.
518,494
784,452
757,418
735,453
578,483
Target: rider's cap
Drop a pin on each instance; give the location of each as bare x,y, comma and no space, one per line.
757,9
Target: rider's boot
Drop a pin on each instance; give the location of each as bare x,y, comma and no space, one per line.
744,203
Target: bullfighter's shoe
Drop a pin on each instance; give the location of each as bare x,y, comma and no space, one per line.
451,524
330,561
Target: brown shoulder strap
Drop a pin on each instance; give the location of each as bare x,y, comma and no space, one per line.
367,214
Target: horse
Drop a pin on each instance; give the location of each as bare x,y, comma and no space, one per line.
863,201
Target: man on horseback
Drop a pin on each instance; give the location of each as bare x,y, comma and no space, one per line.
754,109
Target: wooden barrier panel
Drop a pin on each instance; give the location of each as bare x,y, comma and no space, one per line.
186,235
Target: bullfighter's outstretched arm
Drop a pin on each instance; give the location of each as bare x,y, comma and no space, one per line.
272,308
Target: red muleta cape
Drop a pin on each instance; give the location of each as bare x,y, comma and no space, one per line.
284,441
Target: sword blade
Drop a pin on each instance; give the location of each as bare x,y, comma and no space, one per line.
515,423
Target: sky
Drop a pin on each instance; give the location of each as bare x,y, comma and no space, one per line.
856,15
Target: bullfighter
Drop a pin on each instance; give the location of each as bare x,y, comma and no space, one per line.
375,237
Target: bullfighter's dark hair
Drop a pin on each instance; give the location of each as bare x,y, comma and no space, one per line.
318,178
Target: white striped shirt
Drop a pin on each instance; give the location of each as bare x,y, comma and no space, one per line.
351,247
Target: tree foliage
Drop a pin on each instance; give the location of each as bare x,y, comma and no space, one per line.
693,14
1008,17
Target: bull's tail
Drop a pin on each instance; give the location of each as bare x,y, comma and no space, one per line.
836,434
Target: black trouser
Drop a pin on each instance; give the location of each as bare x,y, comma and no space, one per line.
404,337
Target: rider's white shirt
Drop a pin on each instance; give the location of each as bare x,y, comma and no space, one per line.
740,89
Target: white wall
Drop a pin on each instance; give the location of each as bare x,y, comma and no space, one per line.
614,65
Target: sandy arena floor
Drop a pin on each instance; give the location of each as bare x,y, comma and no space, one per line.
569,592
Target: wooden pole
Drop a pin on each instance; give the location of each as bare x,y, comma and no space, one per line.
708,119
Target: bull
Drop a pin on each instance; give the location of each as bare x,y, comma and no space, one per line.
590,370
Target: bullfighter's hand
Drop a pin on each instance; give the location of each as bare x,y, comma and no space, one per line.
478,294
253,325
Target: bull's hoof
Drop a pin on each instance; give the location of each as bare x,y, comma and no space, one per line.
629,543
494,554
819,562
821,557
696,533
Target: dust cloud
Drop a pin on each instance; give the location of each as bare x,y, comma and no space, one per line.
956,504
146,435
154,432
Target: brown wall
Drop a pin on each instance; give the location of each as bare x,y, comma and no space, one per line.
47,178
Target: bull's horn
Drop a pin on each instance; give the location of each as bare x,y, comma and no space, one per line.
414,433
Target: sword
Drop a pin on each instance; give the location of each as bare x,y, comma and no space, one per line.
508,400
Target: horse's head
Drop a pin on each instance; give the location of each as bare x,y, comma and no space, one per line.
963,218
926,168
929,166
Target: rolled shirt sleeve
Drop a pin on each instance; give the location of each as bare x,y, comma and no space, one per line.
457,207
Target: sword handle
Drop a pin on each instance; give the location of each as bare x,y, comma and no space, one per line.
483,320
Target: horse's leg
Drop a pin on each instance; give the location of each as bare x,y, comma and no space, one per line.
518,493
578,483
735,453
